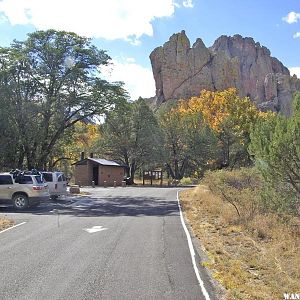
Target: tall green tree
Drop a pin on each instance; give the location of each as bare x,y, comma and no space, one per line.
50,82
275,144
190,145
131,135
9,145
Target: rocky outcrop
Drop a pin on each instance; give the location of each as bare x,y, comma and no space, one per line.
181,71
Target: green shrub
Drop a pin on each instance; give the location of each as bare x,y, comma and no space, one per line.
275,144
189,181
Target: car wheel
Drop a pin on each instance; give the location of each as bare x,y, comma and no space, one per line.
54,198
20,201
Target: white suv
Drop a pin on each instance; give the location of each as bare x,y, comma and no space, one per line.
57,183
22,190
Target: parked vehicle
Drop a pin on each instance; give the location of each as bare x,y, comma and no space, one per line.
57,183
23,189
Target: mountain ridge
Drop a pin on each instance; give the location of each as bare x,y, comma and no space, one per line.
181,71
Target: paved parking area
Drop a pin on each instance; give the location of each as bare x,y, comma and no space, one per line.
113,243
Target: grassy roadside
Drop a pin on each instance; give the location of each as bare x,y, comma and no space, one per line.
253,255
5,223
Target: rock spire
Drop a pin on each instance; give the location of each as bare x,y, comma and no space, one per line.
181,71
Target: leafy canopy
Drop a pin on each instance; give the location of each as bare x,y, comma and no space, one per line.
189,143
230,117
50,82
131,135
275,143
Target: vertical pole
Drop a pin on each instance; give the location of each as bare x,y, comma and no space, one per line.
143,177
151,177
161,178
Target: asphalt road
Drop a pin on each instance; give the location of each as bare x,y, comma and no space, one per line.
122,243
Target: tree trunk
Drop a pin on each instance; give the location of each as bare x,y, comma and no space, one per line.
182,169
132,172
30,160
21,158
127,170
170,171
176,169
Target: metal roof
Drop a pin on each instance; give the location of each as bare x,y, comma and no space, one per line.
105,162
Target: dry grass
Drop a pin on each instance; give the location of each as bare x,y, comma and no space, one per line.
257,259
5,223
155,182
167,182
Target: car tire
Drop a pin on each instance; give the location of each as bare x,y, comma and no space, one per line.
20,201
54,198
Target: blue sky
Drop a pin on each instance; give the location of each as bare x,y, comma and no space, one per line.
130,29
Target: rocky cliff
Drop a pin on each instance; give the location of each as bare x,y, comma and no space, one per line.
181,71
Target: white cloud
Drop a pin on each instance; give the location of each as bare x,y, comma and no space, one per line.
295,71
188,3
111,19
130,60
291,17
3,19
138,80
296,35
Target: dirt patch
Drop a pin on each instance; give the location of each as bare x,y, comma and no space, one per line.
5,223
259,259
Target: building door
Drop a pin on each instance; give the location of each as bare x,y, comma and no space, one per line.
96,174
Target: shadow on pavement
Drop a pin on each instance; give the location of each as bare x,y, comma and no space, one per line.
108,206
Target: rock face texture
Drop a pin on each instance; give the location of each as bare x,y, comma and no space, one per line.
181,71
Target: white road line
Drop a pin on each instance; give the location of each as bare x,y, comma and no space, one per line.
13,227
95,229
192,251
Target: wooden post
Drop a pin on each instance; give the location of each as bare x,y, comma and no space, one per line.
143,177
151,177
161,178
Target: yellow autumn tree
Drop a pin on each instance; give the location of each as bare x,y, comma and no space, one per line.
85,137
189,142
81,138
231,117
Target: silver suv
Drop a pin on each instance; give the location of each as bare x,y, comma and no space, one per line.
57,184
22,190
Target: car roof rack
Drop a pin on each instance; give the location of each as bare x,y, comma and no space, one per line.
17,173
